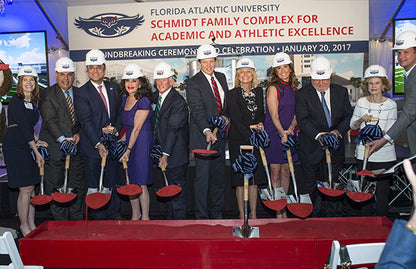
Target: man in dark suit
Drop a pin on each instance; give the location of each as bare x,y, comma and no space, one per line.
205,93
313,121
59,123
170,122
406,56
98,108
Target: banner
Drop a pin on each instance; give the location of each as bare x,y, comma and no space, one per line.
175,29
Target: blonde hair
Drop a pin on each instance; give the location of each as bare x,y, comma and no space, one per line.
254,82
386,83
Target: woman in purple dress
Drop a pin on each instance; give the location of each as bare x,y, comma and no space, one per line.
137,120
280,119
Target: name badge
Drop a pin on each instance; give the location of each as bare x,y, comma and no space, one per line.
28,105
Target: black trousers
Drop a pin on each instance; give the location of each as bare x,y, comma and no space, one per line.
54,178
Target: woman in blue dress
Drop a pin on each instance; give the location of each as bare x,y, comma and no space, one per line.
19,141
137,120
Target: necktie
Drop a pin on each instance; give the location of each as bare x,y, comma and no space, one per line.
326,110
216,95
70,106
157,110
100,88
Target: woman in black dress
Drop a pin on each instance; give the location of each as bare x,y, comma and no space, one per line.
20,140
246,107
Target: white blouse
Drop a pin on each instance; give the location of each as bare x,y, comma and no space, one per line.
386,112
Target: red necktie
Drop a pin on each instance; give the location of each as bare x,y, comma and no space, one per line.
216,95
103,97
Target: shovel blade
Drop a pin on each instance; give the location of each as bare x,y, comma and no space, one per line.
246,232
365,172
331,192
97,200
169,191
276,205
359,196
205,152
130,189
63,197
41,199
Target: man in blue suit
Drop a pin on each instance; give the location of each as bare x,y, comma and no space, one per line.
170,122
205,93
98,109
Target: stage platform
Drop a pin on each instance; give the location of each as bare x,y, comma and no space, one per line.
283,243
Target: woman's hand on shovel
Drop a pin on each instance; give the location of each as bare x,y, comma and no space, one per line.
101,150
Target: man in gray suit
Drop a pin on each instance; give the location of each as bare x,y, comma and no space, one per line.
205,93
59,123
406,56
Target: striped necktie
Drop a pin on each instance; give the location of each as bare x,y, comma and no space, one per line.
70,106
216,95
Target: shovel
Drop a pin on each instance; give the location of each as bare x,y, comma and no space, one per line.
246,231
273,198
207,152
168,190
97,198
299,205
128,189
328,189
383,172
359,195
41,198
64,194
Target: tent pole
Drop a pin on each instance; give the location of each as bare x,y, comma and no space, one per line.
391,19
52,24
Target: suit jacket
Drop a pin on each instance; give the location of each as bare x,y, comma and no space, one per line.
56,119
400,248
240,116
311,120
407,119
172,128
93,116
202,104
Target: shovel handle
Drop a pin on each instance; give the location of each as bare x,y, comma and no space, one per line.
290,161
245,188
41,169
104,159
124,163
263,156
328,156
163,168
367,151
215,131
246,147
67,160
374,119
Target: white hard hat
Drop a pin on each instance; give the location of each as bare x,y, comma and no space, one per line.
163,70
206,51
321,68
94,57
132,71
245,63
27,70
281,58
375,71
405,40
64,64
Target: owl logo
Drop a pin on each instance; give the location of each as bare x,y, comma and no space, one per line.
109,25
